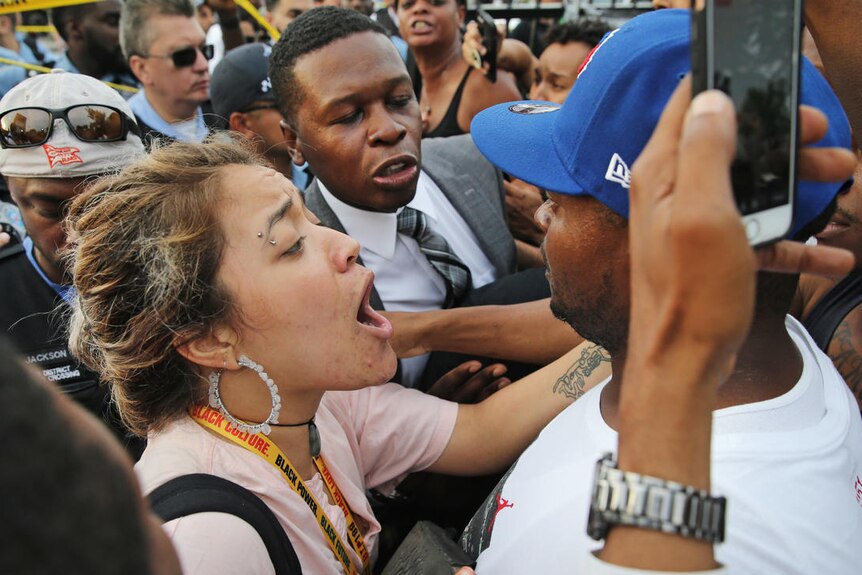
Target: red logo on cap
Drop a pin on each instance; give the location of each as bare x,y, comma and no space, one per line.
62,156
592,53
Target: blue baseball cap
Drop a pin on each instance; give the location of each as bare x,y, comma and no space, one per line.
586,146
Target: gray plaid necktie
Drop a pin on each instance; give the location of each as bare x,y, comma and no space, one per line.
455,273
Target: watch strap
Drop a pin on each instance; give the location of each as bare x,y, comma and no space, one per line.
628,498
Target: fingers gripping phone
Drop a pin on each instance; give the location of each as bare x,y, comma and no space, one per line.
750,49
14,238
488,30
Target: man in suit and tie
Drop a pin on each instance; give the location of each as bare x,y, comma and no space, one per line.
430,218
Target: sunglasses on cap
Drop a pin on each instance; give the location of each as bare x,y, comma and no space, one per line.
185,57
33,126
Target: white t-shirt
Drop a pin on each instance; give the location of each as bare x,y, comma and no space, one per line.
216,38
370,438
790,468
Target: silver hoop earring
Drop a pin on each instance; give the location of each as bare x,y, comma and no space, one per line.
216,402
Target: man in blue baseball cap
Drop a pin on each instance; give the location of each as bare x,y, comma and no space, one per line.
787,438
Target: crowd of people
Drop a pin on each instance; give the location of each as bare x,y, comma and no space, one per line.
317,277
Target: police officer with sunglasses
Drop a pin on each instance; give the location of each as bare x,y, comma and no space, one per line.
166,50
58,131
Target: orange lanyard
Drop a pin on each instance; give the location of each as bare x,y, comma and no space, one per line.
262,446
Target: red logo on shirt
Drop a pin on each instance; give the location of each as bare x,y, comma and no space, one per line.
62,156
858,487
501,504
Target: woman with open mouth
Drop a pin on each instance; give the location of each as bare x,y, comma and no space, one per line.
237,336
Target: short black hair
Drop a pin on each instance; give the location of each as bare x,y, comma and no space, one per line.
310,31
589,31
68,506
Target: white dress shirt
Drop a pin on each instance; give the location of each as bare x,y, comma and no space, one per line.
403,276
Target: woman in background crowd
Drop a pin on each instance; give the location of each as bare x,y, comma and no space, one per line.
452,92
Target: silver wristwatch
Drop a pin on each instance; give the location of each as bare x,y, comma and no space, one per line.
626,498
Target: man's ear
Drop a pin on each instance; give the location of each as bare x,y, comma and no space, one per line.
293,143
138,66
216,349
237,122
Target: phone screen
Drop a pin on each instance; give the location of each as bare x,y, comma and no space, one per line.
755,61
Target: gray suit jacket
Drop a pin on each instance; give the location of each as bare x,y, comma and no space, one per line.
472,185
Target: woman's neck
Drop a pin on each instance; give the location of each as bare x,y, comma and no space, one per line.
294,444
247,398
10,42
434,63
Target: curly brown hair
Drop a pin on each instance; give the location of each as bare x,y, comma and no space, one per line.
147,247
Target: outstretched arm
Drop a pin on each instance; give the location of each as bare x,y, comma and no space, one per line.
526,332
489,436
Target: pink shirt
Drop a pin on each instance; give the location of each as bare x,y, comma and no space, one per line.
370,438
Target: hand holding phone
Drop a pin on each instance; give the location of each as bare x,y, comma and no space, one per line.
751,51
11,238
488,30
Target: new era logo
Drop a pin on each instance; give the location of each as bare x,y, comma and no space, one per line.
619,172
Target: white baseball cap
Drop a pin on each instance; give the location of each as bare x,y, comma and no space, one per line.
64,155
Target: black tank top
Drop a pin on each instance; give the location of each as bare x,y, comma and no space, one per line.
448,126
833,307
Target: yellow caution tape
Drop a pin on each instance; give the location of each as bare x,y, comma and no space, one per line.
48,29
10,6
44,70
249,7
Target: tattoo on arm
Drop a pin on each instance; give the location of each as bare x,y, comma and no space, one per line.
847,359
571,384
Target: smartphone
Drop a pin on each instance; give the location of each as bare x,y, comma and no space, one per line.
488,29
750,49
14,238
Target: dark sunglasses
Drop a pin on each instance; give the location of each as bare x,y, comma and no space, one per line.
33,126
185,57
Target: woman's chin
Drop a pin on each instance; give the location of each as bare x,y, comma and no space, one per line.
392,362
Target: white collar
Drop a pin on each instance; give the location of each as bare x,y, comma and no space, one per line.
378,231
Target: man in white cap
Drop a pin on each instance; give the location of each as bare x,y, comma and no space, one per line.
57,132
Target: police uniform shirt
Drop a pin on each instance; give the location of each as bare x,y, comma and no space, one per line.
34,317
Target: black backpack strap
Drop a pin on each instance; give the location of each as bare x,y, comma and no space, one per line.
199,493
